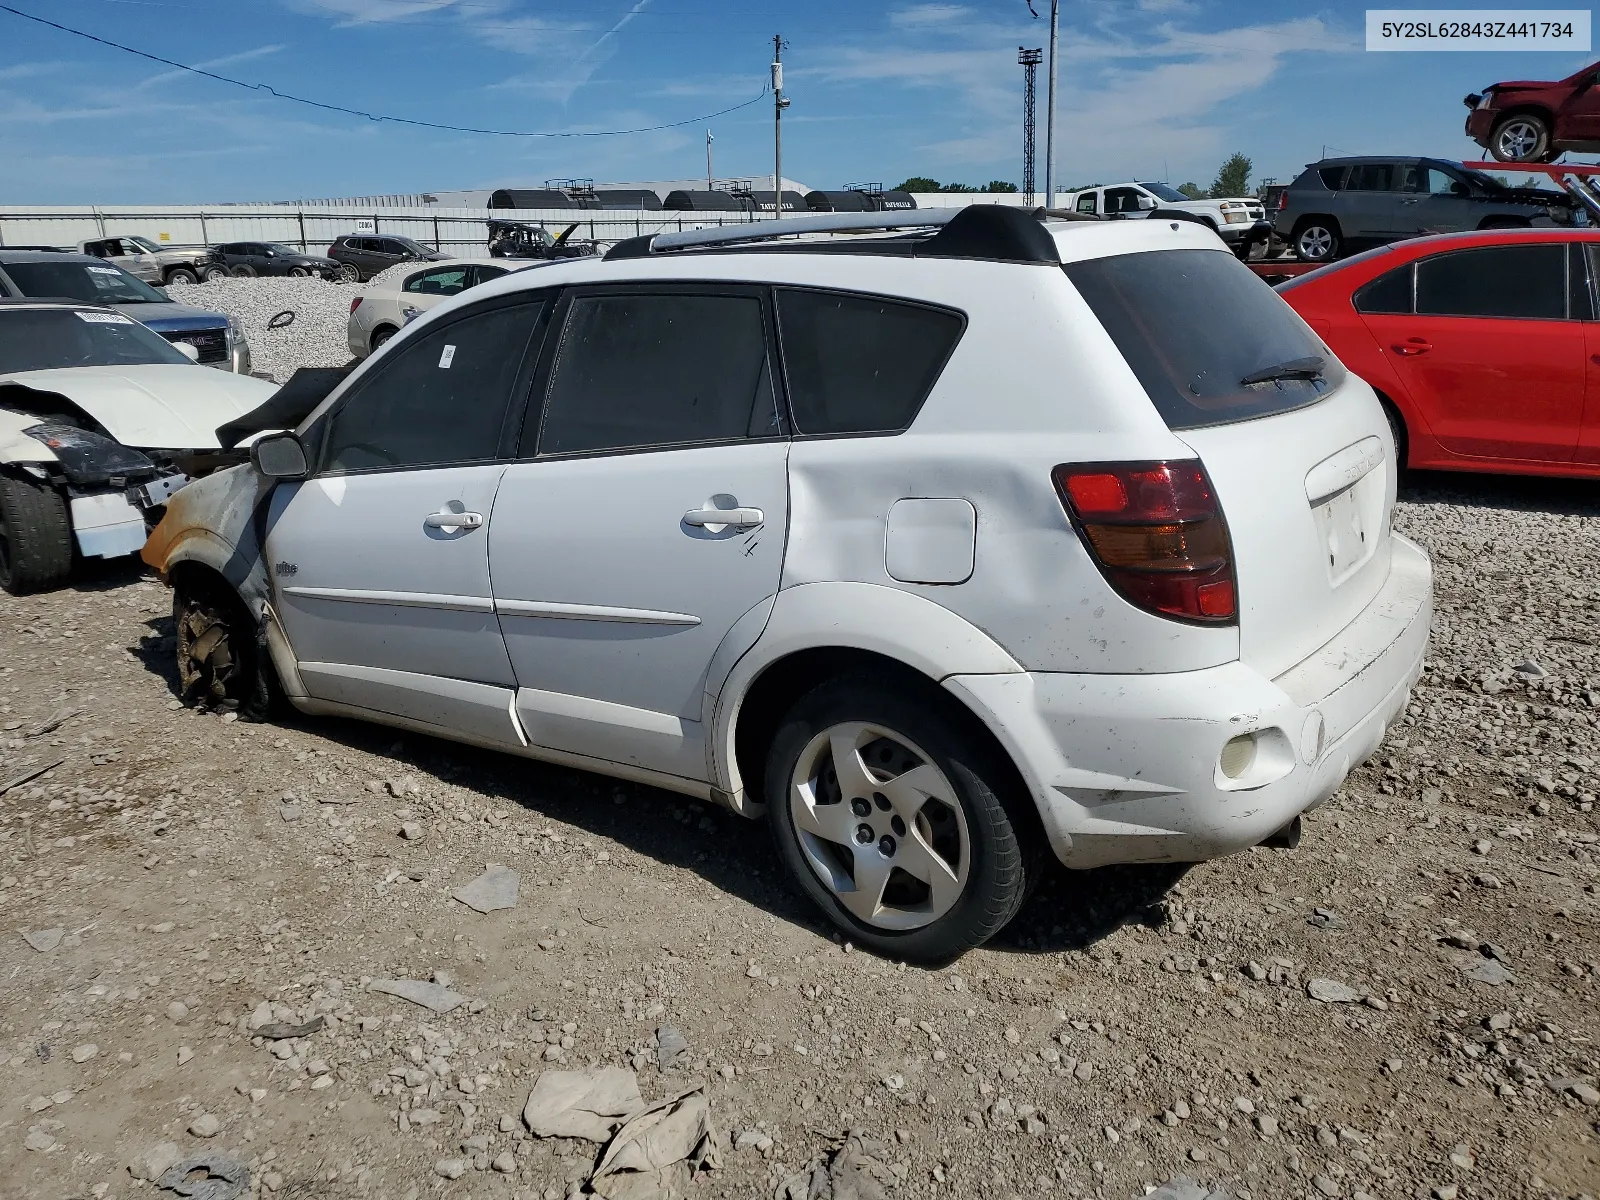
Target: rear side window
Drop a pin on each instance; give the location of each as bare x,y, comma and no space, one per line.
1194,325
1529,282
649,370
1388,293
1332,177
860,364
444,281
1371,177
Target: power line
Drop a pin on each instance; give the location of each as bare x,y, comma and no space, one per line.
356,112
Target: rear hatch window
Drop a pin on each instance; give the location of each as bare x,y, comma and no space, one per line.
1209,341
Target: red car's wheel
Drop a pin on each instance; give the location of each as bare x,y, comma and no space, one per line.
1521,138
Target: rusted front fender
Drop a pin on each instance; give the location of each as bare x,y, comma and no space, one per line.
218,522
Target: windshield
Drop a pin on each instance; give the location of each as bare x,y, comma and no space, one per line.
280,248
36,339
1194,325
145,243
1487,182
1169,194
92,282
413,247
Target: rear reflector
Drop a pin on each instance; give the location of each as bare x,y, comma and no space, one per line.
1157,534
355,304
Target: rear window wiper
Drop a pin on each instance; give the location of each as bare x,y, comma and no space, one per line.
1309,367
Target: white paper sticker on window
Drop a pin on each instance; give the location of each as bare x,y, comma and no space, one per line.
103,270
448,357
100,318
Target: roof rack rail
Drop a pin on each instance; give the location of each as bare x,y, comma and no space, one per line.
981,231
762,231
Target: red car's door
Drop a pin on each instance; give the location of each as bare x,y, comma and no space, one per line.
1578,119
1490,355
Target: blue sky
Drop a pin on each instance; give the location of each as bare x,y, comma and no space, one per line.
1149,88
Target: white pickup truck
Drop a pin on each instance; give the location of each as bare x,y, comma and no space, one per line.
1241,222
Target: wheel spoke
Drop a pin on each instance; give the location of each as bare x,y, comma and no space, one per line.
922,861
872,873
909,792
830,822
855,781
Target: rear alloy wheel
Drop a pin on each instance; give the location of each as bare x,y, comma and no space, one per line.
221,664
1523,138
910,851
349,273
1316,241
35,536
181,277
380,335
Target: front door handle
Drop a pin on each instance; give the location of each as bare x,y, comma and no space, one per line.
1411,347
446,519
742,518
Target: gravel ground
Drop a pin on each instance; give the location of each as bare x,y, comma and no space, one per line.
1405,1006
315,339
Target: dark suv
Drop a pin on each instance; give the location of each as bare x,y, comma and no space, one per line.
362,255
1343,204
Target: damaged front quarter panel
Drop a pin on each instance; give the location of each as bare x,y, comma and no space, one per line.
218,523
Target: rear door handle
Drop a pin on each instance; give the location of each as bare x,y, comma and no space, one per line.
453,520
742,518
1411,347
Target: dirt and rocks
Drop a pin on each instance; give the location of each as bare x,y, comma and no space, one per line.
212,929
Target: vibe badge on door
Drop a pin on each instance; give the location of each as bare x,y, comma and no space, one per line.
447,357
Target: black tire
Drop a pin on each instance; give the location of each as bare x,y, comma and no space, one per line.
1397,428
349,273
298,272
999,869
35,536
1522,138
213,273
222,658
244,271
181,275
380,335
1317,239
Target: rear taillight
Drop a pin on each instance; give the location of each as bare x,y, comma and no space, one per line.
355,304
1283,201
331,249
1157,534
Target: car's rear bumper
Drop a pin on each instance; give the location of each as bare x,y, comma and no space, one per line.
1126,768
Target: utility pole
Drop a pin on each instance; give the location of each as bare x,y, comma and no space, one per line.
779,103
709,140
1030,60
1050,111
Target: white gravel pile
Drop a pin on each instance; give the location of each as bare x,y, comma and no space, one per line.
315,338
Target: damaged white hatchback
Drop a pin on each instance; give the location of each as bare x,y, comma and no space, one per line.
101,420
946,547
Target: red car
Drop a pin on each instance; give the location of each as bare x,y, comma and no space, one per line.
1531,122
1483,347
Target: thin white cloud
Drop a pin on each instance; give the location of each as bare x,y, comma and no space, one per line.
215,64
1130,95
920,16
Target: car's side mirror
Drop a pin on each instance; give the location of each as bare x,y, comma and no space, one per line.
280,456
188,351
1146,203
1460,189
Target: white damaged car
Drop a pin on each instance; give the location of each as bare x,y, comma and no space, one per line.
101,420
